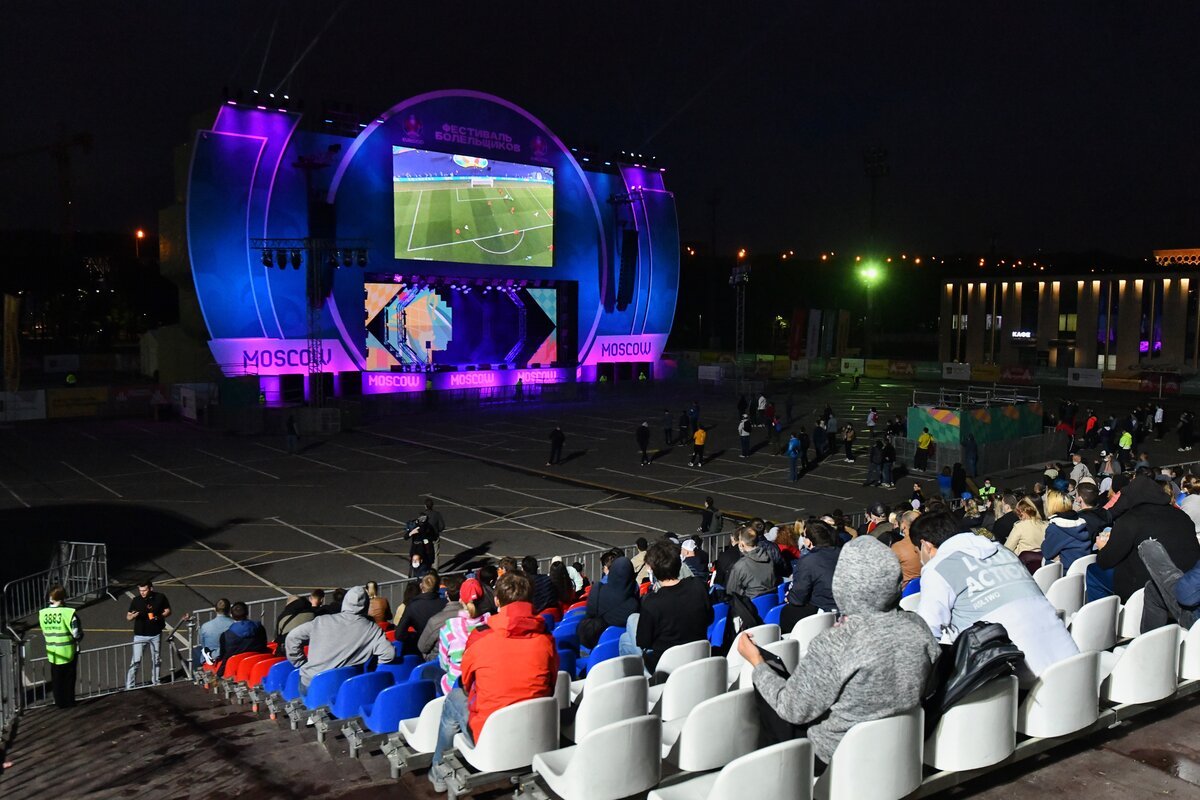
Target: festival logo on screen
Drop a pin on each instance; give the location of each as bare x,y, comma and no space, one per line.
412,130
538,148
476,137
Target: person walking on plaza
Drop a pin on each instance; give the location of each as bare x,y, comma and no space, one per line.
148,613
760,409
698,440
668,426
293,435
872,421
643,441
685,427
819,439
557,440
793,453
848,442
744,435
924,444
62,631
889,461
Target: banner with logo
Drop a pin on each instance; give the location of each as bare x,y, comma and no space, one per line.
985,372
81,402
1085,378
875,367
852,366
1019,375
902,369
22,405
956,372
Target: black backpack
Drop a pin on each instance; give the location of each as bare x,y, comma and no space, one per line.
979,654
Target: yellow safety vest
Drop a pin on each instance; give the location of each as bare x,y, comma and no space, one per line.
56,629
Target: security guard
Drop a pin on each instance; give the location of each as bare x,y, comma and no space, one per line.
62,632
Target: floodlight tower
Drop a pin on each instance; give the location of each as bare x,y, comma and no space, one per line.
738,278
870,274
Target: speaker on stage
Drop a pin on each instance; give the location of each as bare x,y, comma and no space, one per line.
627,276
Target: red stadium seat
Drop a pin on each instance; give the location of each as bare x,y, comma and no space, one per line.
261,668
232,663
390,635
644,589
247,664
272,647
581,603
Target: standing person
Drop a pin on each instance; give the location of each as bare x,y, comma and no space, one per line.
437,525
557,440
793,454
698,440
848,442
62,631
889,462
668,425
874,464
1159,418
293,435
707,518
685,428
971,455
693,414
744,435
872,421
1185,431
924,443
776,433
760,409
804,443
643,441
148,613
819,439
1125,448
742,405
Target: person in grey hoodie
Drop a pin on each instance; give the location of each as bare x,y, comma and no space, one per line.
337,640
873,663
754,573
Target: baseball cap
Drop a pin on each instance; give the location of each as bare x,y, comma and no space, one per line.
470,591
688,544
773,533
967,496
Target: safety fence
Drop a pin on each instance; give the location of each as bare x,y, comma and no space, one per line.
79,567
106,670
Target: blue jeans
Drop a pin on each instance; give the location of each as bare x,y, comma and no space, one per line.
454,721
1099,583
745,446
887,472
139,646
794,467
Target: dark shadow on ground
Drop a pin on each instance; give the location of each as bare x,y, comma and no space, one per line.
661,453
467,559
572,456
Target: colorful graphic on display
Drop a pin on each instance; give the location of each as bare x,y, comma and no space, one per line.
405,325
472,210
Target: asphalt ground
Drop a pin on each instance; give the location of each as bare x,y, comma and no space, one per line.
208,515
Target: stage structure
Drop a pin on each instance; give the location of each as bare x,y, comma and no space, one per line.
454,243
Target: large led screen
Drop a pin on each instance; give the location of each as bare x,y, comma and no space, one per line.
472,210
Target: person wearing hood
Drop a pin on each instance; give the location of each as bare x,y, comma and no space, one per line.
611,603
968,578
345,639
873,663
417,613
753,574
1144,512
1067,536
812,575
508,659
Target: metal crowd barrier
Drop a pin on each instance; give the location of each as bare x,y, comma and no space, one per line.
79,567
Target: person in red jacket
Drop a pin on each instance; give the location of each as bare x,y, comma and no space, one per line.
510,659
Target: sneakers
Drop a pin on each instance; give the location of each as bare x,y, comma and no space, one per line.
437,776
208,656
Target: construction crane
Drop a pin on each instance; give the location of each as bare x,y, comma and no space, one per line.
60,150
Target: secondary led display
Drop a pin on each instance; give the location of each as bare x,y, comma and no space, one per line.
472,210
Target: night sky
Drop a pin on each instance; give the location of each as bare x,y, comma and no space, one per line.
1052,126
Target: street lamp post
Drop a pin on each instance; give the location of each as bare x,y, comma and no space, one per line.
138,235
738,280
870,274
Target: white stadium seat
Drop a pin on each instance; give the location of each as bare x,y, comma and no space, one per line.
780,772
1094,626
714,733
978,731
1067,595
877,760
512,736
606,671
421,733
604,705
1129,625
1047,575
811,627
786,649
763,636
614,761
1144,671
1189,654
1064,699
675,657
910,602
687,687
1079,566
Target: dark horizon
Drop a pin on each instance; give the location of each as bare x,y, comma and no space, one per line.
1007,129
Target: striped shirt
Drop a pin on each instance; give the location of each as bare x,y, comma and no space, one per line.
452,641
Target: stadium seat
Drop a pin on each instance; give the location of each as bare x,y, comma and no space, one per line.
576,610
877,760
1094,626
586,771
567,659
358,691
763,636
713,733
277,676
783,771
810,628
720,610
429,671
610,670
562,690
782,591
1079,566
401,669
1067,596
1047,575
716,632
548,620
512,736
397,703
978,731
772,617
233,662
910,602
601,653
566,635
1064,699
420,732
1144,671
675,657
688,686
291,686
323,687
242,675
1189,654
645,588
614,701
786,649
911,588
259,673
764,603
1129,624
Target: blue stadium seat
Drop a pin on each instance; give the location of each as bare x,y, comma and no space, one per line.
912,587
549,621
566,635
403,701
277,676
323,688
573,613
567,659
429,671
716,631
764,603
601,652
359,691
401,669
720,610
772,617
291,685
783,590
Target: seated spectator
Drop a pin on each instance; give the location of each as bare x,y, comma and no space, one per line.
968,578
1190,504
545,593
417,613
610,603
676,612
788,542
641,571
687,551
487,575
905,550
210,634
1144,512
724,563
812,576
585,583
345,639
1067,536
378,607
1027,535
1172,596
575,575
753,574
876,522
427,642
243,636
411,590
1006,516
565,594
453,635
873,664
509,659
765,541
333,604
298,611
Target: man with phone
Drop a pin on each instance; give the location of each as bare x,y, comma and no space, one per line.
148,613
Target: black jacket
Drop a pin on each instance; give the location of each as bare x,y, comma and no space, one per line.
812,579
417,614
615,599
1145,512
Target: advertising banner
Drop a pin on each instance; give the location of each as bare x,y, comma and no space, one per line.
876,368
1018,375
1153,381
187,403
902,369
985,372
1086,378
956,372
278,356
81,402
852,366
22,405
